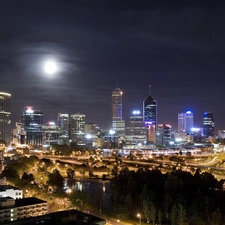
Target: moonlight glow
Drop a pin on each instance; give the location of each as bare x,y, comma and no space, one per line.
50,67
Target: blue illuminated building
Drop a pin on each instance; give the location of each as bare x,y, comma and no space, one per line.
208,124
33,121
185,121
150,110
150,116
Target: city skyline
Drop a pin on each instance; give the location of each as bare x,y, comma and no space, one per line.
132,112
97,44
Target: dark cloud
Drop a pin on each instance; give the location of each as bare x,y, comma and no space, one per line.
177,46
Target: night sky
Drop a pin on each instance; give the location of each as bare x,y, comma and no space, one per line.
178,48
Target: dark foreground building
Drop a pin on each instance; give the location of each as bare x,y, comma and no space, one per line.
67,217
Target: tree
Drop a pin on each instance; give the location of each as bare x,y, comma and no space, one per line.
196,219
146,203
182,217
82,172
91,174
115,171
45,163
78,200
11,175
152,212
70,173
27,178
174,214
56,180
216,217
160,216
146,209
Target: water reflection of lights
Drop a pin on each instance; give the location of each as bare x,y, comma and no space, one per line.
103,187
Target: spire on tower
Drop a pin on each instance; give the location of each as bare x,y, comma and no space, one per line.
149,88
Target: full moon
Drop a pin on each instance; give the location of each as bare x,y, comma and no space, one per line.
50,67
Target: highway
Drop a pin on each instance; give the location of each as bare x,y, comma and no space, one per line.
137,163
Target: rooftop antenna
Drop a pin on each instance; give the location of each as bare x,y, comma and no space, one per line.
117,85
149,88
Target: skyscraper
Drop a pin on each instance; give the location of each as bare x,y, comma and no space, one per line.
150,116
5,116
208,124
32,121
118,124
19,134
163,134
63,124
150,109
135,128
185,121
50,134
77,127
2,148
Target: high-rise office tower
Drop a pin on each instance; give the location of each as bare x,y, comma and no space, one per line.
19,134
2,148
92,134
208,124
118,124
91,128
135,128
77,127
32,121
185,121
63,122
163,134
50,134
150,109
5,116
150,116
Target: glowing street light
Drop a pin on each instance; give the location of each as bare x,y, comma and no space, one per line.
111,132
88,136
139,216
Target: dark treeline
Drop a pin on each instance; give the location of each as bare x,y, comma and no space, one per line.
176,198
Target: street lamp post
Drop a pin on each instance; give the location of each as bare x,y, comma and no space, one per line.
139,215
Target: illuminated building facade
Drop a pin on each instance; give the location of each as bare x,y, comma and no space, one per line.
5,116
197,135
118,124
208,124
185,121
32,121
221,134
50,134
92,134
10,191
182,138
150,116
2,148
110,140
163,134
77,127
16,209
63,122
19,134
135,129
